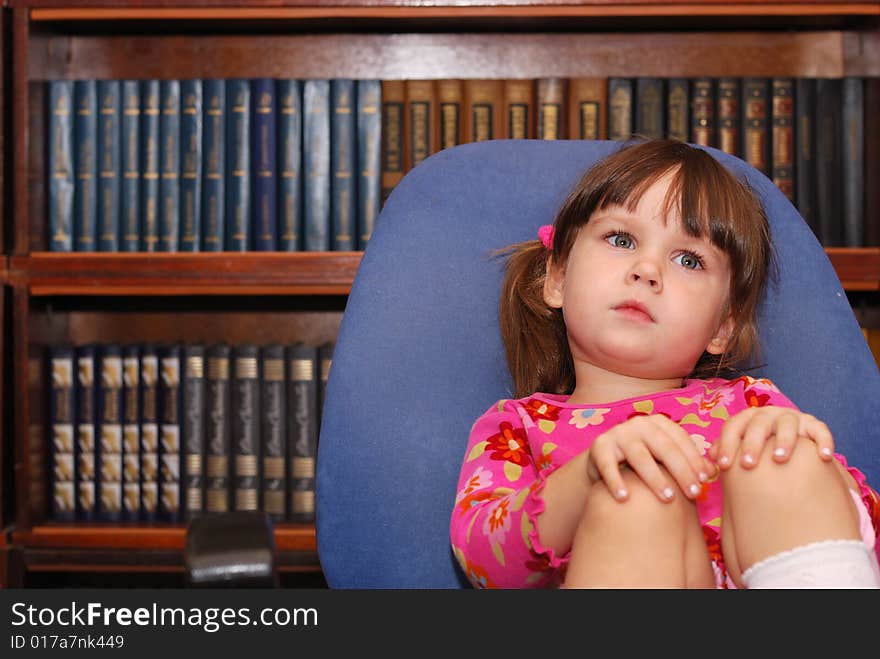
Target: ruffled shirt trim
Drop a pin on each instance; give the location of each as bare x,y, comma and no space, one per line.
534,505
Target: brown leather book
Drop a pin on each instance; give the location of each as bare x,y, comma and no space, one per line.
678,116
587,108
393,101
483,99
727,104
450,98
703,111
519,109
552,93
756,123
782,143
420,119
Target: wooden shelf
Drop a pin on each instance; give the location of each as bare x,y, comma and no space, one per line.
250,273
857,267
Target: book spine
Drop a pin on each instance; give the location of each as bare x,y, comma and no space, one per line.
369,158
109,404
588,102
483,99
551,95
214,166
393,101
325,362
238,165
191,129
302,430
130,232
519,113
782,139
703,111
316,165
678,120
85,207
169,157
728,97
853,161
343,161
85,433
149,433
193,418
169,432
149,165
872,168
620,108
60,165
62,417
450,99
273,435
419,122
263,148
109,165
650,107
246,427
131,435
828,131
217,429
805,151
289,165
755,123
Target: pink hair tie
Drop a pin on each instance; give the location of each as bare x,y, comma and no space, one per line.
545,233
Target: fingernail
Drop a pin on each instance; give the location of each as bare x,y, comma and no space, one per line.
667,493
724,461
621,493
703,477
780,452
826,451
695,489
748,459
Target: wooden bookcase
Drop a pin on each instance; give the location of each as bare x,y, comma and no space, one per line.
287,296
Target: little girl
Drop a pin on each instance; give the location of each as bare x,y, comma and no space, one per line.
626,459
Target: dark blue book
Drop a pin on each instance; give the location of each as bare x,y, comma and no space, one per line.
130,185
343,164
829,152
108,400
852,158
678,120
191,123
238,165
369,165
650,107
85,165
273,419
109,164
218,433
149,433
169,431
131,433
149,166
263,148
214,166
245,406
193,429
59,165
316,165
289,135
169,167
62,411
621,106
86,420
302,429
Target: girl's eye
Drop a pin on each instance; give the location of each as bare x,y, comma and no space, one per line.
620,239
689,261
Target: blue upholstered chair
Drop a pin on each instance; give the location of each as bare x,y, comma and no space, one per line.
419,355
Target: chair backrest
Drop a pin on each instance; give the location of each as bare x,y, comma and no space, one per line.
419,356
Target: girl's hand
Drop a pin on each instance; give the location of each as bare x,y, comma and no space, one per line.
640,444
749,431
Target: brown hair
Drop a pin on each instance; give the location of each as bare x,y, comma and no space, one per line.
709,200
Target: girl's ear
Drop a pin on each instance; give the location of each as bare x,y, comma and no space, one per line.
554,283
718,343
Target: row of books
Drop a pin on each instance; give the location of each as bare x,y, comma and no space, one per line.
212,165
166,432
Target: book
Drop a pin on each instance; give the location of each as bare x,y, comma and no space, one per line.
678,116
872,164
273,417
149,200
85,165
149,381
727,107
853,161
61,410
316,165
829,138
217,429
551,99
482,104
289,165
245,407
703,111
587,108
419,122
169,165
193,430
213,204
805,156
518,112
238,165
302,429
86,421
650,107
782,136
343,164
130,159
450,99
620,108
264,215
369,158
756,123
59,164
393,101
109,154
191,130
169,431
325,362
131,432
108,400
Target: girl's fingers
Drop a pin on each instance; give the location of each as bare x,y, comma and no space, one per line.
755,435
642,461
787,429
725,449
603,464
672,447
819,432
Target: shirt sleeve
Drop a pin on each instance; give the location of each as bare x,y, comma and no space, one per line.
492,527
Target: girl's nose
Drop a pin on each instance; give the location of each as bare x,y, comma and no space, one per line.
647,273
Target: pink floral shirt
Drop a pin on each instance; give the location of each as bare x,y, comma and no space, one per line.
517,443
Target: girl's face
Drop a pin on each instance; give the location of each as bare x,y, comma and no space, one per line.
641,297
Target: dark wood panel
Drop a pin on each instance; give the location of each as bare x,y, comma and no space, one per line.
857,267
